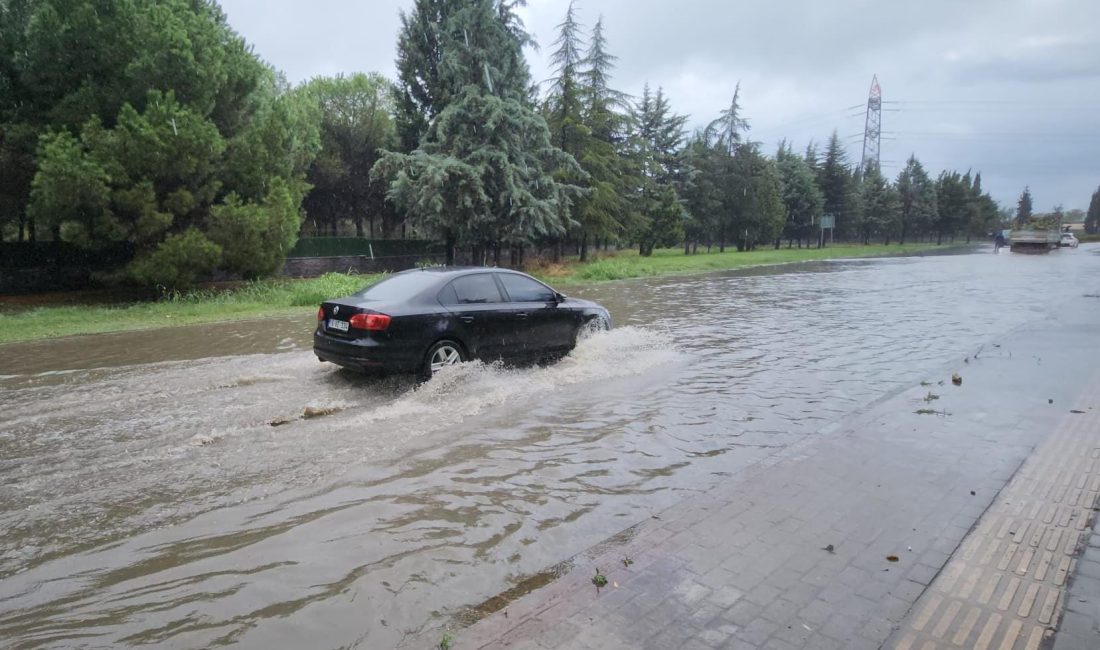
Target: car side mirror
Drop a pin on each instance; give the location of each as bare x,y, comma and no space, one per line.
559,297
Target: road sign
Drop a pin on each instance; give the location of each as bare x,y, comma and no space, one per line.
828,221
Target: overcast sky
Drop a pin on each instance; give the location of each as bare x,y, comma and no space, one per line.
1010,88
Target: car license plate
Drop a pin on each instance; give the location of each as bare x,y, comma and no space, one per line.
339,325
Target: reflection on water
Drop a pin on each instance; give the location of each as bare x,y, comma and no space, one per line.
145,496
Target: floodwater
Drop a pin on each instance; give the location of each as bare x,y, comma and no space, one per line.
214,485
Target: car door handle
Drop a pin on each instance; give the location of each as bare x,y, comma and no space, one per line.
522,315
466,319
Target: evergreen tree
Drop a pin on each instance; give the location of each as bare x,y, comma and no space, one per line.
723,138
754,199
801,197
484,173
1092,221
729,126
916,200
983,210
1023,207
702,192
952,204
656,137
835,180
564,111
604,213
421,94
152,124
880,207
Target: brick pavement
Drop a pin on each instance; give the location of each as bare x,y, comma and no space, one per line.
1005,587
793,553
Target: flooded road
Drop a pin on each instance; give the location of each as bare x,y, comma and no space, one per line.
216,485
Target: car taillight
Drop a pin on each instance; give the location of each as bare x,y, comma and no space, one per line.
320,313
370,322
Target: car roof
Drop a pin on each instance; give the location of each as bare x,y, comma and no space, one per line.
455,271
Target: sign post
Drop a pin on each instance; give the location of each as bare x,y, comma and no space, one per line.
827,221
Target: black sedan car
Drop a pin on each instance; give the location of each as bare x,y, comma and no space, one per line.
421,320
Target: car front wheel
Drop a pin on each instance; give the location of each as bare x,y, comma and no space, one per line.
591,326
440,355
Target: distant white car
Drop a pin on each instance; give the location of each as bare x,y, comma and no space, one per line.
1068,239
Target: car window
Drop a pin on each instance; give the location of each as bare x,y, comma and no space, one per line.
478,288
448,296
398,287
521,289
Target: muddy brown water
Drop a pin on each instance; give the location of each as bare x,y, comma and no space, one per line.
145,498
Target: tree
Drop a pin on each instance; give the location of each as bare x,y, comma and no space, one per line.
952,204
564,108
702,192
836,183
1023,207
356,124
604,212
880,207
421,94
916,200
801,197
484,173
655,140
181,118
754,199
1092,221
983,211
730,125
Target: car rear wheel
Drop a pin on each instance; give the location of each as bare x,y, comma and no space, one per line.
441,355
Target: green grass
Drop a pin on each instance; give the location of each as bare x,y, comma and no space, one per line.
628,264
249,300
289,297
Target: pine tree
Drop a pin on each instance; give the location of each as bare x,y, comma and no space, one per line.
656,137
952,200
150,124
484,173
835,180
729,126
421,93
604,212
880,207
1092,221
801,197
1023,207
563,106
916,200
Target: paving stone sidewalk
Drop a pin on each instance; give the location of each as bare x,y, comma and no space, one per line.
798,552
1005,587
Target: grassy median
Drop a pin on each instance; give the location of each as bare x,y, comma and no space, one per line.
289,297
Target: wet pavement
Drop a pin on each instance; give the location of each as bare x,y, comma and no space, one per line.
145,496
942,516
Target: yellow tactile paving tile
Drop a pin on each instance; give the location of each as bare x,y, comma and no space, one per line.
1003,589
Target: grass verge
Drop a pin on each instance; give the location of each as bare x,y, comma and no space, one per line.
249,300
628,264
283,297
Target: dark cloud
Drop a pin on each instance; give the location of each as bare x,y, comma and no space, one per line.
1001,86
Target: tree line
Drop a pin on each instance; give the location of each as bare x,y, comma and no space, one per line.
151,122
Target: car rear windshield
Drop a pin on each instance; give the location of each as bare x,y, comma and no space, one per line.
398,287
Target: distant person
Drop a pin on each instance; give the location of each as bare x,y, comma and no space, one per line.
998,242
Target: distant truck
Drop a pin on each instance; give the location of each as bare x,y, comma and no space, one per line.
1040,235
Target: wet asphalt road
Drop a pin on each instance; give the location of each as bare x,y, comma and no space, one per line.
146,498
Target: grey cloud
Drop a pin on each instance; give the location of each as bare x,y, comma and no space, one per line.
985,84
